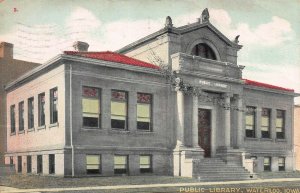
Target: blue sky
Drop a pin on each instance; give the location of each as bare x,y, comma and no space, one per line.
269,29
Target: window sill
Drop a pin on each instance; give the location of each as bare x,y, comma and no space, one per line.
91,128
144,131
14,133
21,132
251,139
280,140
115,130
53,125
93,175
30,130
266,139
41,127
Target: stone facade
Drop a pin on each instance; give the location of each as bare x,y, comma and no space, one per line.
10,69
297,135
201,111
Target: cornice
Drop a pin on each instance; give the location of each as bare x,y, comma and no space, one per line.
250,87
119,79
63,58
211,76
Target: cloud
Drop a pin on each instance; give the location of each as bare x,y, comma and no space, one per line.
280,75
81,21
273,33
39,43
120,33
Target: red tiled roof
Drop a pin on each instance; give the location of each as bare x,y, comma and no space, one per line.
264,85
112,57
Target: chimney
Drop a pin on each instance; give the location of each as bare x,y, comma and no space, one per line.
81,46
6,50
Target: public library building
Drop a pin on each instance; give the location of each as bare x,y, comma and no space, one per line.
171,103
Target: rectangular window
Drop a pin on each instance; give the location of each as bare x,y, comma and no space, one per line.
280,121
39,164
11,160
91,107
21,116
265,123
30,113
281,164
42,109
145,163
267,163
29,164
93,164
250,122
19,164
119,109
12,119
51,164
121,164
144,103
53,105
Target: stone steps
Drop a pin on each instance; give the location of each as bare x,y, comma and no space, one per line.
215,169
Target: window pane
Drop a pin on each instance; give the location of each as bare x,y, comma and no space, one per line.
266,161
143,110
93,164
147,120
118,108
90,92
118,95
279,113
264,128
92,159
278,129
265,121
143,98
281,161
145,160
118,117
120,160
249,127
279,122
93,167
249,120
90,105
53,105
91,115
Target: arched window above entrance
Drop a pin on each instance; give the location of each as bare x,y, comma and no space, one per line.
204,51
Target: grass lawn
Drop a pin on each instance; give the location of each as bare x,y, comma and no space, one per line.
34,181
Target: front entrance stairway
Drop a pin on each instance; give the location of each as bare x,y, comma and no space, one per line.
215,169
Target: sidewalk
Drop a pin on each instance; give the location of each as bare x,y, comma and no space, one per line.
4,189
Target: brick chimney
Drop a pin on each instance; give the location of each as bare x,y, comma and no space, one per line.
6,50
81,46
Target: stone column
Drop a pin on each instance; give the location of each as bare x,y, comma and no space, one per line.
258,122
273,124
240,126
180,118
227,120
195,121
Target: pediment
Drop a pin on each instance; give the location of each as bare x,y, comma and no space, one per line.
198,26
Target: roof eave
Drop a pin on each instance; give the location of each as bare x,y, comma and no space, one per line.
277,91
33,72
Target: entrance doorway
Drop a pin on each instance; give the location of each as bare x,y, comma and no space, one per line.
204,131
